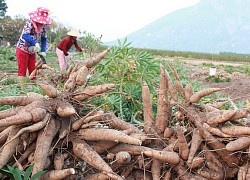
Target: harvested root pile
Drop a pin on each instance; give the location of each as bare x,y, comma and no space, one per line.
40,66
51,133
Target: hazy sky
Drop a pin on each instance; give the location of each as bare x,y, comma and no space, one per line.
114,19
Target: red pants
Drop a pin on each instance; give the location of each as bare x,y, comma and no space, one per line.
25,61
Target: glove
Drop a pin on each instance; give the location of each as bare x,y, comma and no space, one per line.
43,54
37,47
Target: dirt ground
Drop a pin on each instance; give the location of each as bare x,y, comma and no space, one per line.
239,85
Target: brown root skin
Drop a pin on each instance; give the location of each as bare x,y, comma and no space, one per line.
196,118
58,161
81,76
71,82
57,174
98,134
103,146
99,115
182,144
167,176
65,128
197,161
9,112
180,89
171,88
236,130
33,74
5,133
209,174
131,149
38,114
238,144
156,169
69,70
18,119
241,113
195,144
188,91
215,131
164,156
27,152
119,124
211,156
91,62
205,92
213,166
44,141
31,128
163,104
184,174
168,132
178,84
222,116
110,156
209,108
49,90
242,173
148,116
122,157
42,103
45,66
65,109
9,150
75,68
92,91
39,64
17,100
83,151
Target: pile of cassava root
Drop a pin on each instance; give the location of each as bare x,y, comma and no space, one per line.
193,142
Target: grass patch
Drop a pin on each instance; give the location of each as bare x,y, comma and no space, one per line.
218,79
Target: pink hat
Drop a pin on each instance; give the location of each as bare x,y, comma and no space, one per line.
40,16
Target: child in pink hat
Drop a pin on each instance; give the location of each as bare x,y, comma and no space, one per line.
28,45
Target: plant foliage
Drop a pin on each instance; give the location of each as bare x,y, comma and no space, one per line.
127,68
16,174
3,8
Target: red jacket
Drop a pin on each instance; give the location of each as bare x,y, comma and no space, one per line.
67,43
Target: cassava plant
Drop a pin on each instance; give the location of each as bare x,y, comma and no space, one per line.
127,68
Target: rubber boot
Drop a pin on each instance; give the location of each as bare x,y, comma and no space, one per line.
22,82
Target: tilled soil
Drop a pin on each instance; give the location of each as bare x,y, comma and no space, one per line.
238,86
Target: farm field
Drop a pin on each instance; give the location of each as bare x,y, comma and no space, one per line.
239,82
146,127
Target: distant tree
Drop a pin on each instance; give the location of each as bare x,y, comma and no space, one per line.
3,8
11,29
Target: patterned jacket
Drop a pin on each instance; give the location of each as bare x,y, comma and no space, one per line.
29,37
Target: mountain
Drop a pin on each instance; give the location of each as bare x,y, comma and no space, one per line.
210,26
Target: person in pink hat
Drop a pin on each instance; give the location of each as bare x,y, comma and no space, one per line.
28,45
